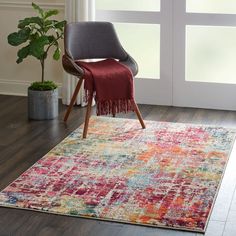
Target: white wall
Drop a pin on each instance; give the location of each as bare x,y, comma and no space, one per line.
15,78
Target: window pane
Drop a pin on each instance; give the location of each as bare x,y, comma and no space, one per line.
128,5
211,54
211,6
142,42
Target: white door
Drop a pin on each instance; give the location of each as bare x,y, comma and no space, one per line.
204,67
186,49
145,31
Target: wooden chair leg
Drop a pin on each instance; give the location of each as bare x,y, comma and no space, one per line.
72,102
88,112
136,110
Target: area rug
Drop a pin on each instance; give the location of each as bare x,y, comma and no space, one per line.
167,175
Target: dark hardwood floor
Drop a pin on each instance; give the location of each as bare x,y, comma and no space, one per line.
23,142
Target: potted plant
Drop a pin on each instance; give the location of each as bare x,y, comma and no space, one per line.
38,35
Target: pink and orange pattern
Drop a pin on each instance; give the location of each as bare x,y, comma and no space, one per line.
166,175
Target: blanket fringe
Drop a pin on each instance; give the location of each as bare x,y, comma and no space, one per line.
109,106
113,107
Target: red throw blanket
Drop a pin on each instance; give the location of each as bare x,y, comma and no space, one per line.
111,83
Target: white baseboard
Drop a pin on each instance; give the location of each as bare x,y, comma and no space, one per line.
19,88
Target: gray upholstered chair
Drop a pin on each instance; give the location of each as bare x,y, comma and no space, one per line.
90,40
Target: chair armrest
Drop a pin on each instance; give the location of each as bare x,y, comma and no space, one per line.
131,63
71,67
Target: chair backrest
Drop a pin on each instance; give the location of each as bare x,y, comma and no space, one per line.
87,40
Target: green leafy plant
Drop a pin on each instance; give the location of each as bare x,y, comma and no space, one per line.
38,34
46,85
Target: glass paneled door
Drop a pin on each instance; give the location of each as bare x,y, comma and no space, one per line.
186,49
204,66
144,28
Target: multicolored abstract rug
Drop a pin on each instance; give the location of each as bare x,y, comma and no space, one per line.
167,175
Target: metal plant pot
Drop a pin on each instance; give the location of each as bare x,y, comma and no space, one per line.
42,105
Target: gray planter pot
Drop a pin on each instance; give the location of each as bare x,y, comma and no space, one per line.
42,105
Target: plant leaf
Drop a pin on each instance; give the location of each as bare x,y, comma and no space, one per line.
23,53
49,22
60,25
19,37
51,39
34,36
39,9
30,20
50,13
37,47
57,54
